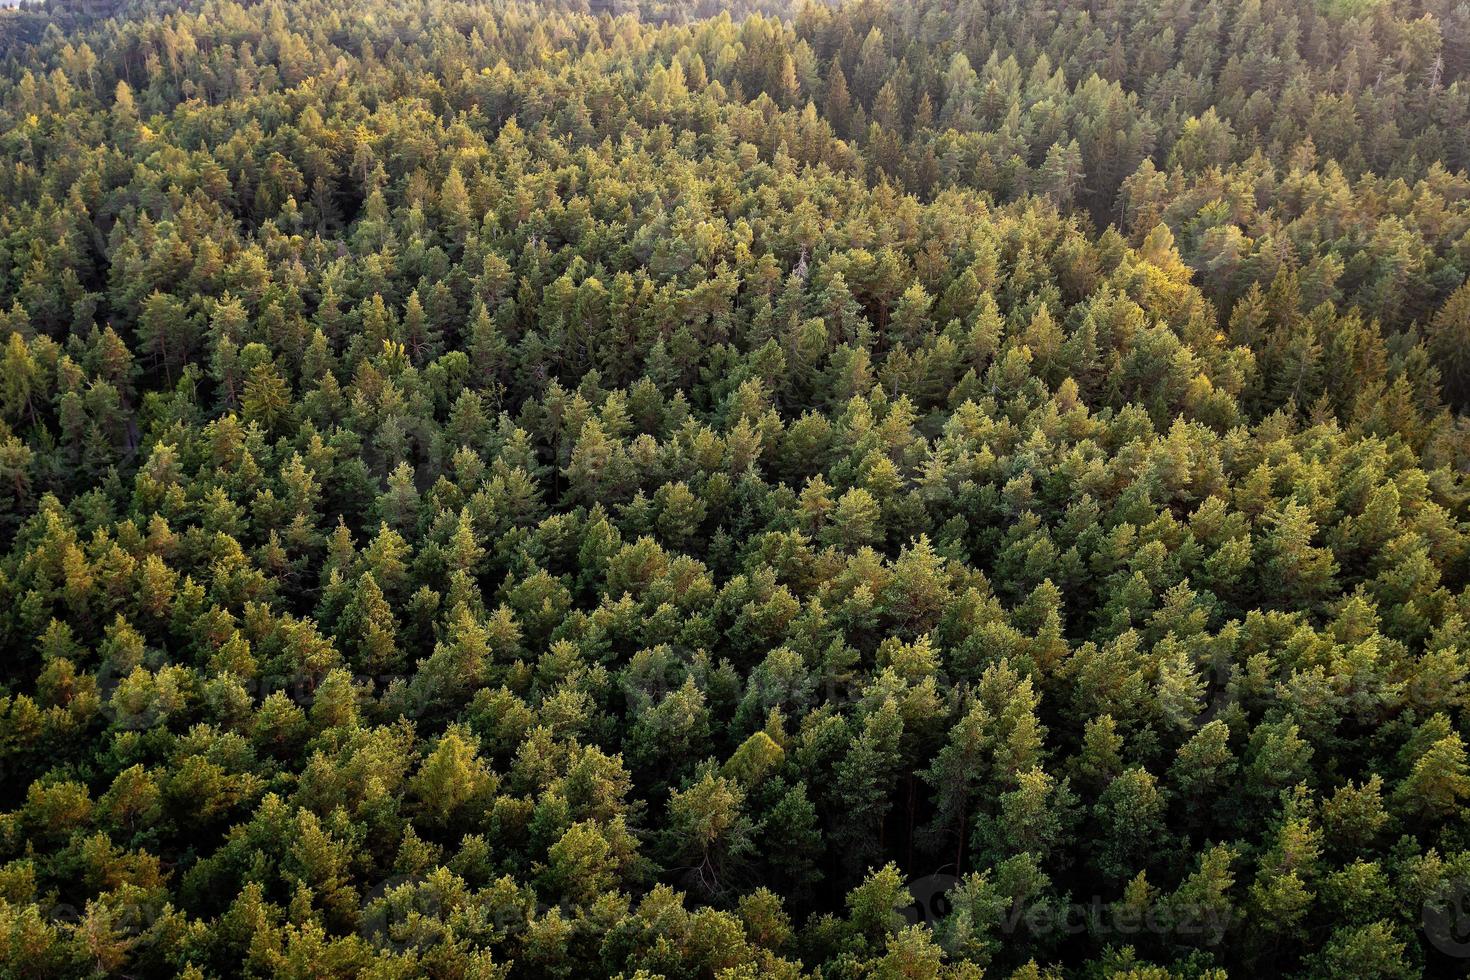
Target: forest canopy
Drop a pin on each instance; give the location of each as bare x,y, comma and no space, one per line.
687,489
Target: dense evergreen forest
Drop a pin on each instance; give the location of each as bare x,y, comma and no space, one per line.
686,489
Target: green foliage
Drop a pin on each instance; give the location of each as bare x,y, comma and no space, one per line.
860,489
